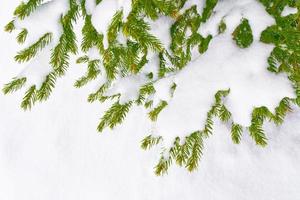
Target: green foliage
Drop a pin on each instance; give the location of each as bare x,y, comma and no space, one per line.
10,26
145,91
14,85
91,38
236,133
92,73
155,112
29,99
150,141
115,26
208,9
25,9
275,7
115,115
67,42
31,51
222,27
47,86
22,36
243,34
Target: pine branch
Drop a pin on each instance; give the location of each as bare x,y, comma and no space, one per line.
163,165
22,36
29,99
243,34
44,92
208,9
31,51
67,41
114,116
236,133
145,91
99,93
150,141
155,112
10,26
92,73
196,145
224,114
91,37
114,27
14,85
25,9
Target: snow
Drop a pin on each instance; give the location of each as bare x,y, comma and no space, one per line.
55,152
288,10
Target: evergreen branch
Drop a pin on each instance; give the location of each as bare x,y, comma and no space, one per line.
208,9
10,26
224,114
31,51
82,59
243,34
25,9
99,93
145,91
91,37
139,30
163,165
114,27
150,141
67,41
258,135
47,86
22,36
155,112
114,115
196,151
92,73
236,133
281,110
14,85
29,99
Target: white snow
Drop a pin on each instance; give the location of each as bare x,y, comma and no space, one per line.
55,152
288,10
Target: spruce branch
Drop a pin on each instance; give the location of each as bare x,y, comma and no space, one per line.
25,9
29,99
47,86
10,26
31,51
150,141
163,165
243,34
67,42
92,73
114,115
91,38
22,36
114,27
14,85
236,133
155,112
195,143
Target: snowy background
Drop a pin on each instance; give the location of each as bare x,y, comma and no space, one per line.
55,152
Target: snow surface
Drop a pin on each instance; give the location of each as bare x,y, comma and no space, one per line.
54,151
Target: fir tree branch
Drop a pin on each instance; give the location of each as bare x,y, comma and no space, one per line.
31,51
14,85
114,116
25,9
155,112
29,99
150,141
